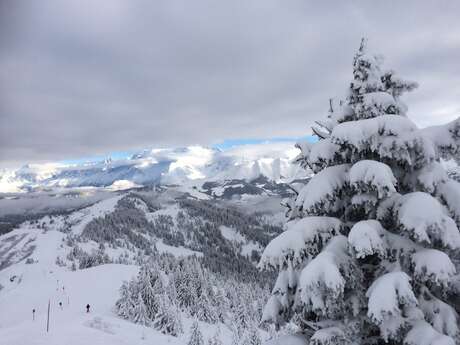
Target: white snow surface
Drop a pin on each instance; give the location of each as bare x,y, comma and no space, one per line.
34,285
231,234
176,251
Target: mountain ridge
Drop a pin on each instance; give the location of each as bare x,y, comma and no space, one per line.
193,164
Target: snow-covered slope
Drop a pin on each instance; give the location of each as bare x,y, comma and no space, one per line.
166,166
37,262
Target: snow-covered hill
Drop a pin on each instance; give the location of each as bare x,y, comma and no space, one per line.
166,166
82,252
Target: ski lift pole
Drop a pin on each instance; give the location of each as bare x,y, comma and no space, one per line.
48,317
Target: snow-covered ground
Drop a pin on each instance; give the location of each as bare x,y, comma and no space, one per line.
97,286
27,286
32,286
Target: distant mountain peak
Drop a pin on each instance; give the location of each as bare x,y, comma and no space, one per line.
182,165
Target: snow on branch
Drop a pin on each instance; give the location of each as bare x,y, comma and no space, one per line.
446,138
440,315
322,281
361,134
449,193
430,176
319,196
368,176
387,137
387,295
304,238
423,334
328,336
425,219
378,103
431,265
272,310
286,282
322,154
367,238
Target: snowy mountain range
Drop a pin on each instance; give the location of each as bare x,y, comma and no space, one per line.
188,165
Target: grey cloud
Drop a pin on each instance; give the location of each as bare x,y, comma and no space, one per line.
81,78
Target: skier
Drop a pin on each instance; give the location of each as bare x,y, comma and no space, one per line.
33,314
87,308
60,305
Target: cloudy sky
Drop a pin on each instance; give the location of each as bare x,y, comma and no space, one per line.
88,77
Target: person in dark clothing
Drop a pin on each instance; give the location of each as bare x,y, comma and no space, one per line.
60,305
87,308
33,314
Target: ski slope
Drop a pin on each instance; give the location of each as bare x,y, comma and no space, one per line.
24,287
36,284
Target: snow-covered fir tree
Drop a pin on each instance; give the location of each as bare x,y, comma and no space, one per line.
368,253
252,337
140,312
167,288
196,337
168,318
125,305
